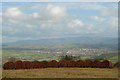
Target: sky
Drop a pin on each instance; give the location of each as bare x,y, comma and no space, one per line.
39,20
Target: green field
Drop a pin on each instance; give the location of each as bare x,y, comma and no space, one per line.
46,56
14,54
30,56
84,58
114,59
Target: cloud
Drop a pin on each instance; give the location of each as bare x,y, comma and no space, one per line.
113,22
56,11
13,12
14,15
109,12
97,18
78,27
35,15
29,26
1,18
53,19
75,23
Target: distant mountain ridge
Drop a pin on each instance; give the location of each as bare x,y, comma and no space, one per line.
91,42
67,40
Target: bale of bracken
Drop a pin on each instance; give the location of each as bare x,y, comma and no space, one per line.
18,65
107,64
53,64
44,64
9,65
71,63
26,64
88,63
62,63
96,64
80,63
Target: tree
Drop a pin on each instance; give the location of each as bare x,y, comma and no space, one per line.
67,57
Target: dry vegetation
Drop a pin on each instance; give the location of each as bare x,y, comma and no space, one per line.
62,73
0,73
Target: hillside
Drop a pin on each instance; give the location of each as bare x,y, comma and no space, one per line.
95,42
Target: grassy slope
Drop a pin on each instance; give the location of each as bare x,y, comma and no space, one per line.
62,73
114,59
37,56
14,54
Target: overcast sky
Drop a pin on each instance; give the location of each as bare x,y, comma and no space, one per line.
24,21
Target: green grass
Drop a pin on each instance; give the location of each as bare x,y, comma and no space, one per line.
86,57
28,56
13,54
114,59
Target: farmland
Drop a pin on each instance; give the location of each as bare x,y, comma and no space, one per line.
50,51
47,53
62,73
43,55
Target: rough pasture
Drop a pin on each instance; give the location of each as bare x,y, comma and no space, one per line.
62,73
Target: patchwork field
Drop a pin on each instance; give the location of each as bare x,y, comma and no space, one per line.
62,73
52,56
